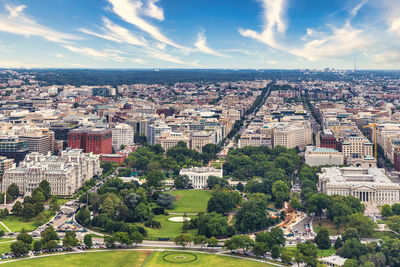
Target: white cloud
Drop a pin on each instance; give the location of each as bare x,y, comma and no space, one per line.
201,45
60,56
153,10
116,33
355,10
395,26
388,58
138,60
97,54
272,62
131,11
19,23
273,23
342,42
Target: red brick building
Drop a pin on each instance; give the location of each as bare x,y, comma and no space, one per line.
119,158
328,140
98,141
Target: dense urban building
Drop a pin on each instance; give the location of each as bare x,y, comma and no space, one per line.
98,141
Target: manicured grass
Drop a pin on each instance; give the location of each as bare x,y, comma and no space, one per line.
381,221
326,252
16,224
321,252
384,234
328,225
5,247
95,259
168,228
191,201
156,259
62,201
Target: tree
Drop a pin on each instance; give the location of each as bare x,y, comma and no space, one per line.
212,242
317,203
386,210
166,201
88,240
49,234
154,178
182,182
2,233
183,240
50,245
142,212
200,240
396,209
281,193
223,201
17,208
352,248
251,216
322,239
26,238
338,243
286,256
349,234
20,248
260,248
307,253
394,223
46,189
122,238
275,252
295,203
351,263
37,245
28,211
364,225
13,190
70,240
136,237
240,187
214,181
109,241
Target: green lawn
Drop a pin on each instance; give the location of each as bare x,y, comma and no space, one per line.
328,225
62,201
384,234
168,228
17,224
191,201
382,221
5,247
95,259
156,259
321,252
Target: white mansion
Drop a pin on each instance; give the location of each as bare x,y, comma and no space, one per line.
370,185
65,173
198,175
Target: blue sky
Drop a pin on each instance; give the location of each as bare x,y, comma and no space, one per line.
288,34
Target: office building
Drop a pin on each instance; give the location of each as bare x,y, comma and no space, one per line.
98,141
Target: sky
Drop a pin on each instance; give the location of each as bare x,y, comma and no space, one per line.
195,34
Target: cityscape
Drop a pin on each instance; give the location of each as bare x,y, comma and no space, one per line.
273,142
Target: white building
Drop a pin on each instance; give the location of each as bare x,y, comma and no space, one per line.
122,134
317,156
291,135
65,173
198,175
370,185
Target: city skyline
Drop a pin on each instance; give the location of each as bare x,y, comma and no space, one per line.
268,34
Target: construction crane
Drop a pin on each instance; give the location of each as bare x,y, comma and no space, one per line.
373,125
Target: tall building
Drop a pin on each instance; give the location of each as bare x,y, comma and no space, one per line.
200,139
199,175
65,173
5,164
156,130
13,148
36,142
98,141
122,134
292,135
